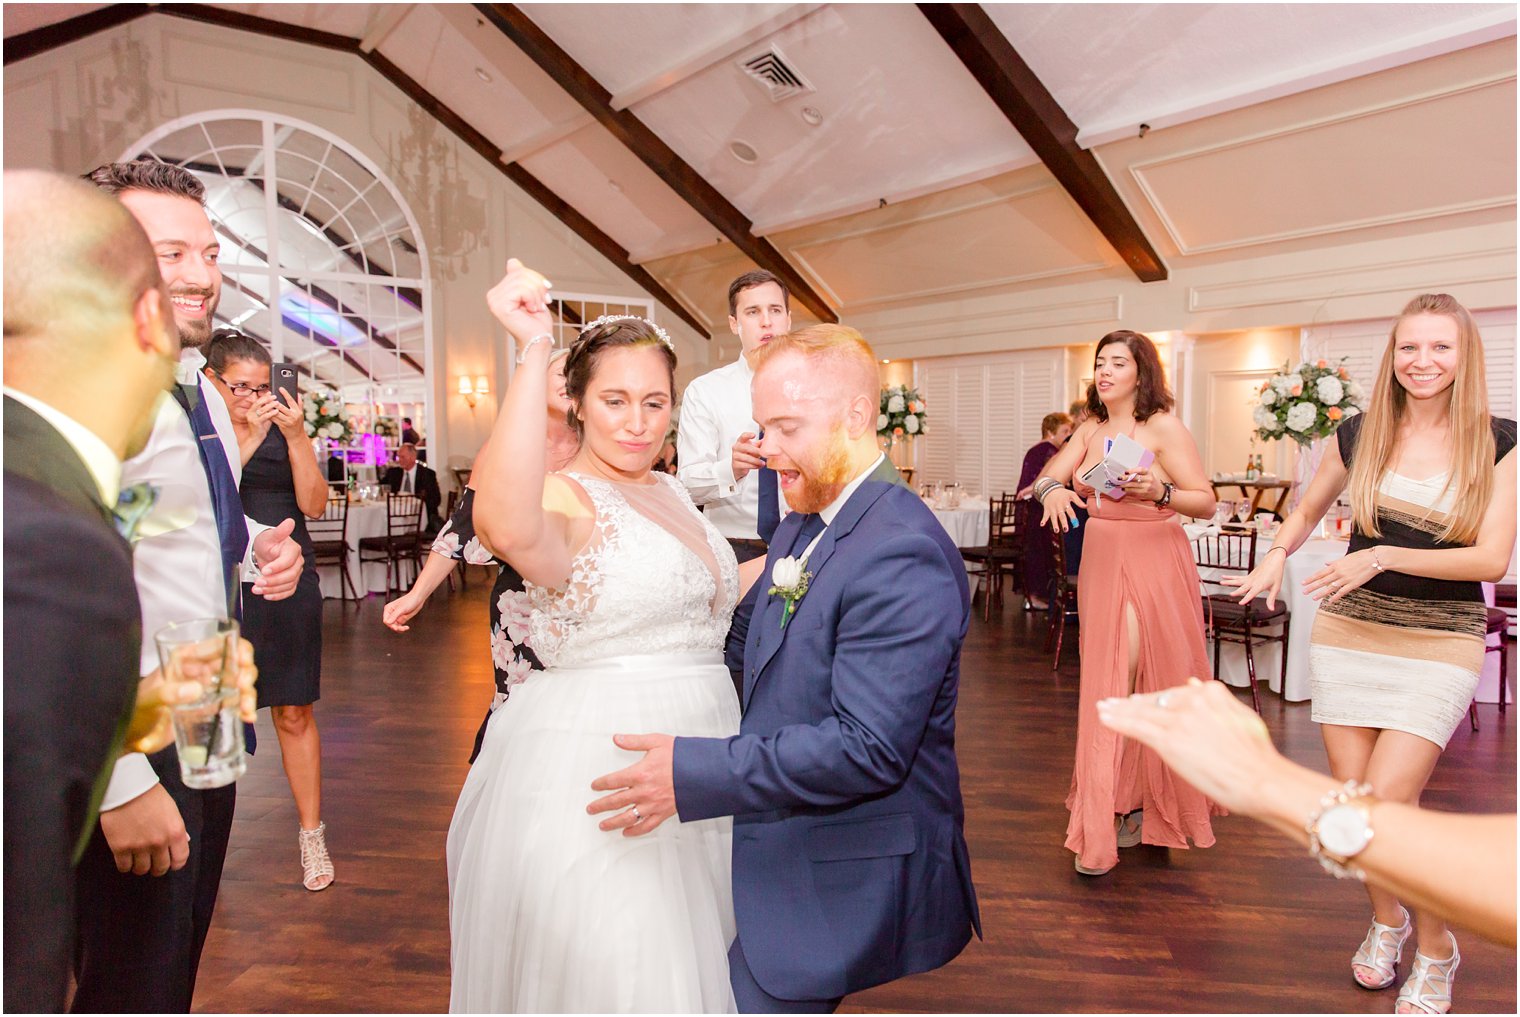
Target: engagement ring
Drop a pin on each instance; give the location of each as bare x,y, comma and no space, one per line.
636,817
1163,700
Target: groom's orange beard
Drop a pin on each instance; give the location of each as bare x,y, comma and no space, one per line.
818,486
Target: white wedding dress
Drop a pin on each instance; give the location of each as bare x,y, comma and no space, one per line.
547,912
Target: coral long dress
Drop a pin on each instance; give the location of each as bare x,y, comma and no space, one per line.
1135,554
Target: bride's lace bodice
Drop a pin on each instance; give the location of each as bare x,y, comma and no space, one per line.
639,586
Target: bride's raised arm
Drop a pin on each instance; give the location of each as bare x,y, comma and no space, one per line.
536,523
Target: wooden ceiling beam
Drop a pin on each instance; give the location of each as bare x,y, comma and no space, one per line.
1027,103
41,40
652,151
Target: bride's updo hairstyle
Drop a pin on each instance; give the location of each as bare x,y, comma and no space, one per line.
598,339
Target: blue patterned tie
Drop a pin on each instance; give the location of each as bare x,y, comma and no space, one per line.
230,527
225,503
769,516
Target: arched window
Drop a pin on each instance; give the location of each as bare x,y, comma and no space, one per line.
322,261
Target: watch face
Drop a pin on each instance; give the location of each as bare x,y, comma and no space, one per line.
1343,830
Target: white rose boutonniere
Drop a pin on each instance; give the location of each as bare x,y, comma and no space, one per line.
789,581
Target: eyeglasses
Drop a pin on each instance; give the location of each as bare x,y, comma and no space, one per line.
242,388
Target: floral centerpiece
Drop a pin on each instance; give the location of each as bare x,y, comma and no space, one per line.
901,414
387,427
327,417
1306,403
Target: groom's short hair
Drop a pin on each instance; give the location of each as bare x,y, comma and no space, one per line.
841,354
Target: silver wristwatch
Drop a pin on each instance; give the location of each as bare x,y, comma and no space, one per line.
1341,828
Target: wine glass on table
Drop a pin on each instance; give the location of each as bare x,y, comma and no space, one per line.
1224,508
1243,510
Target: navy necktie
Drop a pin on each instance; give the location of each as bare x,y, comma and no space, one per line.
226,504
812,525
769,516
228,507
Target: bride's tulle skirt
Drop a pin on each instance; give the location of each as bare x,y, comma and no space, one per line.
550,914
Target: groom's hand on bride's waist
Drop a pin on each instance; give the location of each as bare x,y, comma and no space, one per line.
643,795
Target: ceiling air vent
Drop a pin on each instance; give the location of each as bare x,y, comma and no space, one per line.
781,79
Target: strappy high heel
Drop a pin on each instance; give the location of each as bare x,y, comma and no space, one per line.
1381,951
316,864
1428,987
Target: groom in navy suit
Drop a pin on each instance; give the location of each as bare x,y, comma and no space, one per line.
850,865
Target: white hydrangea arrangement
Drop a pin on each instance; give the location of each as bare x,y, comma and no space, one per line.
901,414
327,417
1306,403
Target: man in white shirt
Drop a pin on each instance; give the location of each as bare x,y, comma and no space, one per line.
718,451
140,937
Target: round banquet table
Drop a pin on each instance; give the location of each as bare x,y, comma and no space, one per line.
967,525
1314,555
365,519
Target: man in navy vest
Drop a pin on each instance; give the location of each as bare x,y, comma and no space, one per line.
850,863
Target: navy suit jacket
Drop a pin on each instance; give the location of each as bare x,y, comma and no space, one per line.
850,865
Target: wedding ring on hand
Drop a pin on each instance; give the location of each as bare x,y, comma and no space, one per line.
637,818
1164,700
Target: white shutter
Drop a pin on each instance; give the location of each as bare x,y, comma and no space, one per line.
935,460
984,414
970,414
1498,331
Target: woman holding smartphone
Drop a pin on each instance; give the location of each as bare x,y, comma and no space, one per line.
281,480
1398,640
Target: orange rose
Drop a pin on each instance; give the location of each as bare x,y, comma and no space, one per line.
1321,364
897,431
1334,413
1343,375
1264,386
1298,390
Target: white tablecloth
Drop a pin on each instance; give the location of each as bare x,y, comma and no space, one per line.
365,519
967,525
1314,555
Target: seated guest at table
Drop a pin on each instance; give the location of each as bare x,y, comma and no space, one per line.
337,470
1398,642
409,476
511,658
281,480
409,435
1137,595
1038,556
1462,867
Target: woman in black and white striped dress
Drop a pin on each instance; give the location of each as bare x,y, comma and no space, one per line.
1398,643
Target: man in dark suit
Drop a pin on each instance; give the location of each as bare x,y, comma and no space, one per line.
409,476
850,861
89,350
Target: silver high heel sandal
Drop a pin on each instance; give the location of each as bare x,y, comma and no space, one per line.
316,864
1428,987
1381,951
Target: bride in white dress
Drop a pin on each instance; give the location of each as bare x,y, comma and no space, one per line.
629,593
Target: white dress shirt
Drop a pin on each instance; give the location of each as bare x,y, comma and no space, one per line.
828,512
178,570
715,410
104,467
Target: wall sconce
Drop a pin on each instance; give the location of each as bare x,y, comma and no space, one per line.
473,390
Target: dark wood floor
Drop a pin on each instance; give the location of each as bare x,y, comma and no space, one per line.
1249,925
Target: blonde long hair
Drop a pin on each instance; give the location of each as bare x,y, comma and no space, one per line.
1472,438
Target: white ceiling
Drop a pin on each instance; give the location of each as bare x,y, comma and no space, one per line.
1320,93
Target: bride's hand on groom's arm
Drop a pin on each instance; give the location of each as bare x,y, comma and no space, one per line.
643,795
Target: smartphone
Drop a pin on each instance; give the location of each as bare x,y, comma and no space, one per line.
283,378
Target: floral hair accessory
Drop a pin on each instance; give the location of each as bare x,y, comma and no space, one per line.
608,319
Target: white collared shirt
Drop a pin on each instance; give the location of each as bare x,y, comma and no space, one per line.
178,572
716,409
104,467
832,509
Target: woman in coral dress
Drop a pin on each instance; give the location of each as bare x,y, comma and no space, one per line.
1138,599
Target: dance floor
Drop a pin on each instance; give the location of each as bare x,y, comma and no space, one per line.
1249,925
